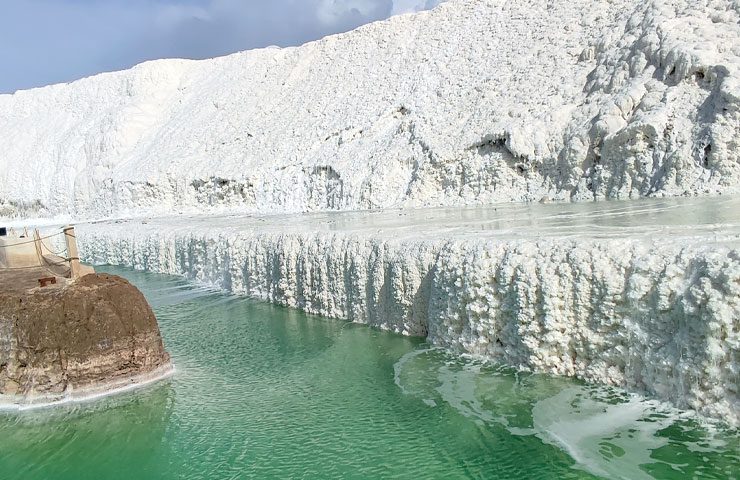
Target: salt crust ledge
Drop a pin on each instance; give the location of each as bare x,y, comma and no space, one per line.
661,318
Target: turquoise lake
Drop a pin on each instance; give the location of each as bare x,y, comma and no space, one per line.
266,392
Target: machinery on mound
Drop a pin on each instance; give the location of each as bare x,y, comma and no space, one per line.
67,332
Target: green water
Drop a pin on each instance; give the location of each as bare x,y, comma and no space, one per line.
265,392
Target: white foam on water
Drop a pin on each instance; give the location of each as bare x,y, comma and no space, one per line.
91,395
460,390
606,431
609,440
406,384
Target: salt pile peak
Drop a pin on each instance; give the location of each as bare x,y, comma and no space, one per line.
473,102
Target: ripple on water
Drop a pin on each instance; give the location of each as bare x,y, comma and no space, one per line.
608,432
265,392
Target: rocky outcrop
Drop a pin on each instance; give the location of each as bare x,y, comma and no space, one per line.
84,338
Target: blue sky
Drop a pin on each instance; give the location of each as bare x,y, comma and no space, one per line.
51,41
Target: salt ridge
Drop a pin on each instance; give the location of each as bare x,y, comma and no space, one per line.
654,309
474,102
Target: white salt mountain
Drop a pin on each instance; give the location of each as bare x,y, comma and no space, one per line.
473,102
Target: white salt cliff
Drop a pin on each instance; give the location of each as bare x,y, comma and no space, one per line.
472,105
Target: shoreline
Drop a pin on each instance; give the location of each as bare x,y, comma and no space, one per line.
89,394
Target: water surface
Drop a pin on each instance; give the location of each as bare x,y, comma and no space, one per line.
266,392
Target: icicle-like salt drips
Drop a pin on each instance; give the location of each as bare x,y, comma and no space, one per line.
642,296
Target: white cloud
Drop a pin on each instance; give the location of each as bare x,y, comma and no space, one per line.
333,12
409,6
49,41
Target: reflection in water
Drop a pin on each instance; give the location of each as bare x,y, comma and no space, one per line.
677,216
265,392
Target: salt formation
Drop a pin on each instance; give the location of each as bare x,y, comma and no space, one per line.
477,101
474,102
644,296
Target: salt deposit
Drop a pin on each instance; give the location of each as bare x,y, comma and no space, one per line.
643,295
473,102
477,101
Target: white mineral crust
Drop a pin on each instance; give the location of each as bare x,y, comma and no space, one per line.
473,102
642,295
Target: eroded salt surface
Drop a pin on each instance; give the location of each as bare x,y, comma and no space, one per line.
639,294
473,102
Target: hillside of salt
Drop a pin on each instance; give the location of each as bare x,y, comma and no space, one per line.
474,102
